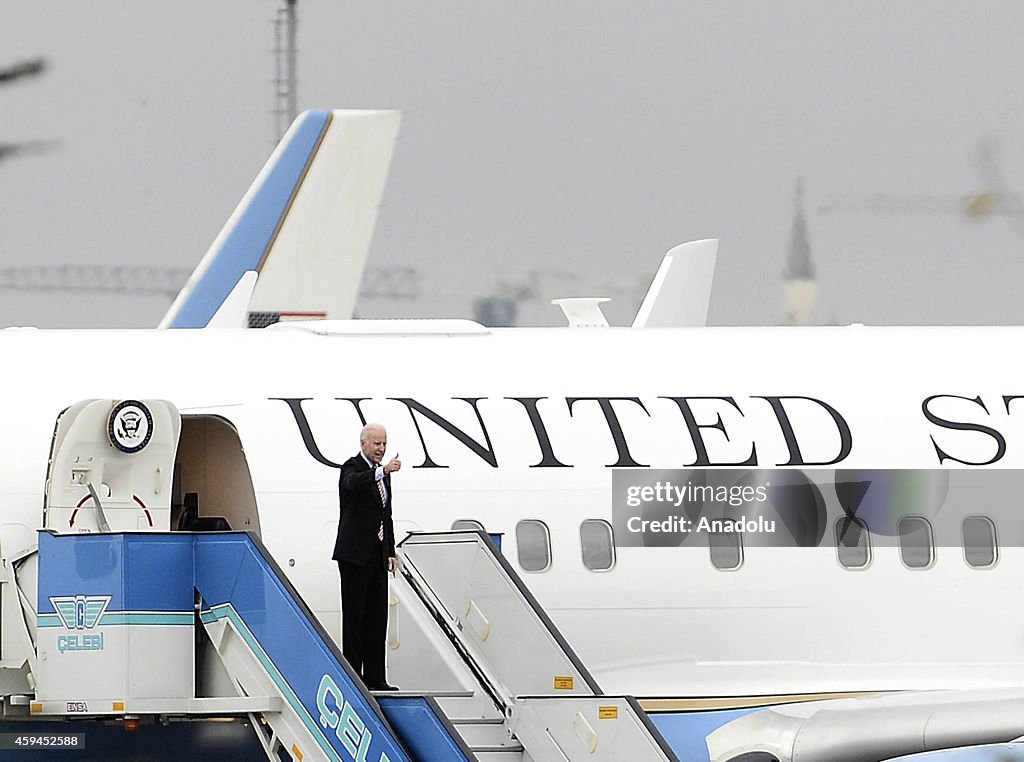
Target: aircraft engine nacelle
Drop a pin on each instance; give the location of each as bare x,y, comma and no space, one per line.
112,466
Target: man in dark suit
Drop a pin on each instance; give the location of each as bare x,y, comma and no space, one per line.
365,552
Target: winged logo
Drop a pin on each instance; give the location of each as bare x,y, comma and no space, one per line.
80,612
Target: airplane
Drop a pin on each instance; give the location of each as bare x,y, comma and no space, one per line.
526,432
885,461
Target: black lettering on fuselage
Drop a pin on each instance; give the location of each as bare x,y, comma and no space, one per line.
614,427
486,453
295,405
547,453
796,458
964,426
697,437
481,444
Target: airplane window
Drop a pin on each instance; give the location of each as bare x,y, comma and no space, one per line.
916,547
726,552
533,544
462,525
979,541
852,543
596,544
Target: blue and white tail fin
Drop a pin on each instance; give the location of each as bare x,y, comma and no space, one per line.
304,225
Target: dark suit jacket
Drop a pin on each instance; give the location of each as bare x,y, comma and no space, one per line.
361,516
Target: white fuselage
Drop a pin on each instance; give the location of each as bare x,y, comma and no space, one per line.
542,417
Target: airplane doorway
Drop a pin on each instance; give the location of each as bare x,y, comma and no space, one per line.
212,483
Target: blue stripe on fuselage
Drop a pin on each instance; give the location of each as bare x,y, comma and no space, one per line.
686,732
246,243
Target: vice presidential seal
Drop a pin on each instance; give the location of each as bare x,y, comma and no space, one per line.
130,426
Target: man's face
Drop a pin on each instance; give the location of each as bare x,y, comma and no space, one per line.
374,445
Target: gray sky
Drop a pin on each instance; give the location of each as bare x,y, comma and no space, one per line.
578,136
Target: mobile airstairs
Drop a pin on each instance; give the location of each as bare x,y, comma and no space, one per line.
145,626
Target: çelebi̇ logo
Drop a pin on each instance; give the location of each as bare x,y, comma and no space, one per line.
341,716
130,426
80,612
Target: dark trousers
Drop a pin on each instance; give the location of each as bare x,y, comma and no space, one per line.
364,619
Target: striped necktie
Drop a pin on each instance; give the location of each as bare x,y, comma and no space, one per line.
383,503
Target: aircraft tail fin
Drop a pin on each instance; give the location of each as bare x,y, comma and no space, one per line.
304,225
681,289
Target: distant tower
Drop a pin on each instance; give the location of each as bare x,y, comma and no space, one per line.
285,83
799,289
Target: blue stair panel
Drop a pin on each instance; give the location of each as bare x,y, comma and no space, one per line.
152,578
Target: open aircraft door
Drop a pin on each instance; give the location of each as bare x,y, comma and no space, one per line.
111,467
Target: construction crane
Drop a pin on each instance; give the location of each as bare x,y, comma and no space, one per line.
994,201
973,205
394,283
97,279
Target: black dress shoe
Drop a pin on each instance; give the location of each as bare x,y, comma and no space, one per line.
383,687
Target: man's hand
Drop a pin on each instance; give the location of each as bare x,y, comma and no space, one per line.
393,465
392,564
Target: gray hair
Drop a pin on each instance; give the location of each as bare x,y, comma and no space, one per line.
365,433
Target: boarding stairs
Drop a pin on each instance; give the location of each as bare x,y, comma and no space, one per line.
170,625
462,624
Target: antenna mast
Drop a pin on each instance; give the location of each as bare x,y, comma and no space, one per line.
285,86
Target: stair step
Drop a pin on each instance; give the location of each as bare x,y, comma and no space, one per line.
517,748
460,709
504,755
485,736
